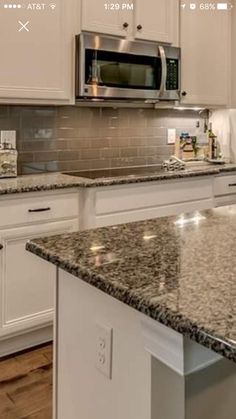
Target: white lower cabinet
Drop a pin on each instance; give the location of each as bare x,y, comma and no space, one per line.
27,283
126,203
225,189
118,204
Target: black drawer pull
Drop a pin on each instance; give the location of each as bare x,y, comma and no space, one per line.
232,184
40,209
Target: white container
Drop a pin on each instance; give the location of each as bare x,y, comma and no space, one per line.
8,161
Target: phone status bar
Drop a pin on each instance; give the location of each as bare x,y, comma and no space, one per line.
212,6
29,6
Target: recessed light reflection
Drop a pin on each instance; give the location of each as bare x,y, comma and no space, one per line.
96,248
195,219
103,260
147,237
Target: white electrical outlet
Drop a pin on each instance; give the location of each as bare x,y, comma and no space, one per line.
171,135
104,337
8,137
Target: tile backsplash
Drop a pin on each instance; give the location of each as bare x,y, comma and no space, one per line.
73,138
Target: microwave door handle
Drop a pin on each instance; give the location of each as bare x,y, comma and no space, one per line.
163,70
80,81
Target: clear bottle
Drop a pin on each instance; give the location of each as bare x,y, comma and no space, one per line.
202,142
212,143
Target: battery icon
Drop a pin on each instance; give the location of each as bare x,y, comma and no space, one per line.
222,6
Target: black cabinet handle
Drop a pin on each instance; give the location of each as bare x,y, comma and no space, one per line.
139,27
40,209
125,25
1,246
184,93
232,184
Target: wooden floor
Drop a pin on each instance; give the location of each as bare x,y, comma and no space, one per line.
26,385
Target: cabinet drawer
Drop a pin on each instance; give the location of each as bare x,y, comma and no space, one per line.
147,195
225,185
38,208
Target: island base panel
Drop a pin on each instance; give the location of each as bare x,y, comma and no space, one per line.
205,394
141,386
82,390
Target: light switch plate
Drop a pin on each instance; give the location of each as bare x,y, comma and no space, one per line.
171,136
8,137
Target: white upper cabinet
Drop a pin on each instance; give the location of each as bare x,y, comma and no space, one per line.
205,49
106,17
37,53
153,20
157,20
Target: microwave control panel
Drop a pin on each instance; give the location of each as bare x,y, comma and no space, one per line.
172,82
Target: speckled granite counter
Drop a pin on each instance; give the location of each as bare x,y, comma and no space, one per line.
192,170
53,181
182,273
42,182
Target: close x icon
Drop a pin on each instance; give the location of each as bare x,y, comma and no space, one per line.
23,26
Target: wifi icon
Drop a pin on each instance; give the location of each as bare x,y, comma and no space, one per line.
53,6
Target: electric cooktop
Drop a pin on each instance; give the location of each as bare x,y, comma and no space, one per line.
111,173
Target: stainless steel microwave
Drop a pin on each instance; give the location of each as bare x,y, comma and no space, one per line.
113,68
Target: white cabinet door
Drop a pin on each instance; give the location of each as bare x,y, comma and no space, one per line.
157,20
107,17
26,281
205,47
154,20
127,203
37,52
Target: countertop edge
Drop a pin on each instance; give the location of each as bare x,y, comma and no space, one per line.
36,188
151,178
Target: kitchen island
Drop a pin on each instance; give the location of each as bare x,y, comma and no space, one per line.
146,318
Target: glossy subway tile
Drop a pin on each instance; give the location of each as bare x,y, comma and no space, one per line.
51,138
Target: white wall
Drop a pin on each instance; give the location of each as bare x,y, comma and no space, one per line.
232,119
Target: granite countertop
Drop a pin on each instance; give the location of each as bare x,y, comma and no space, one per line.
41,182
192,170
53,181
180,273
